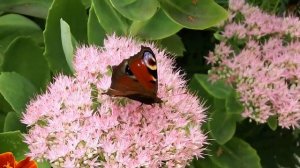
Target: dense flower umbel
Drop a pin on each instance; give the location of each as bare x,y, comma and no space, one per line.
74,125
260,55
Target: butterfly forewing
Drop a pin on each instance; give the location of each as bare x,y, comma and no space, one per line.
136,78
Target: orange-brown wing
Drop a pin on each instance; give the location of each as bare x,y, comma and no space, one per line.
143,66
136,78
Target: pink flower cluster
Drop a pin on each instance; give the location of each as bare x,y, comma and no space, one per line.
74,125
259,54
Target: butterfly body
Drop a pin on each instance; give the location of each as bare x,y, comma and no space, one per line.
136,78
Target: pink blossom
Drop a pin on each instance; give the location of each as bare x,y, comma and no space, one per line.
236,5
71,127
265,71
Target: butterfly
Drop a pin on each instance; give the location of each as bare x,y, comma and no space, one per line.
136,78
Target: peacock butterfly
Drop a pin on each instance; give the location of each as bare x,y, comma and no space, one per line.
136,78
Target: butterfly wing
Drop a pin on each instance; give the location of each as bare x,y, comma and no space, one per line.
136,78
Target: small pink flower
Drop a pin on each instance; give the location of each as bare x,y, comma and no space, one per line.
236,5
265,70
72,127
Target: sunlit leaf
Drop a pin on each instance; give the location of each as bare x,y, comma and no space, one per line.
194,14
136,9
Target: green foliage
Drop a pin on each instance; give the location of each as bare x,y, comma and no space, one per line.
157,27
267,5
13,142
13,26
235,153
95,31
173,44
275,148
109,18
196,14
12,123
68,43
16,90
224,113
31,65
136,9
225,110
73,12
36,8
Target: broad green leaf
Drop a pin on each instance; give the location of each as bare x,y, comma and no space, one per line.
67,43
218,36
234,106
4,105
1,59
86,3
202,93
273,122
203,163
109,18
96,33
222,124
2,121
136,9
13,123
13,26
25,57
13,142
16,90
36,8
173,44
157,27
43,164
235,153
217,89
279,147
73,12
195,14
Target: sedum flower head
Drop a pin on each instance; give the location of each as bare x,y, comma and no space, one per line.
74,125
260,55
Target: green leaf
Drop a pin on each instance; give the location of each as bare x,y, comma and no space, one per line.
68,43
157,27
73,12
195,86
234,106
36,8
173,44
217,89
235,153
222,124
275,148
4,105
136,9
2,121
13,26
12,123
273,122
96,33
109,18
195,14
25,57
16,90
43,164
203,163
86,3
218,36
13,142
